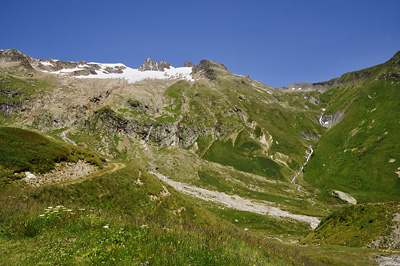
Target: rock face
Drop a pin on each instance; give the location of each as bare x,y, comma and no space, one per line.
188,64
150,65
308,135
320,87
344,197
163,65
209,69
14,56
163,133
331,120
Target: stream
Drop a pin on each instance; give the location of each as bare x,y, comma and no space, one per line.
63,135
308,156
234,201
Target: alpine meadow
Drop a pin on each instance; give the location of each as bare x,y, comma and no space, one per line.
103,164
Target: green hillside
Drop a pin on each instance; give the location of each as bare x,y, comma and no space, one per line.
361,154
364,225
128,217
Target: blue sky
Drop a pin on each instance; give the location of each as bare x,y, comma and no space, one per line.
275,42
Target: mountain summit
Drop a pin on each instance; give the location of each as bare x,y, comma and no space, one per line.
150,65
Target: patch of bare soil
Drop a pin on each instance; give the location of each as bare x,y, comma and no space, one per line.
69,173
63,173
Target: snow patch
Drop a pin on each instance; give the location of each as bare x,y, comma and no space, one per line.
47,63
129,74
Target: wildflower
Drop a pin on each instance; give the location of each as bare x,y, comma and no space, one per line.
105,227
41,215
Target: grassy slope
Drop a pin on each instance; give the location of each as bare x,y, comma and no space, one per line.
242,156
357,155
111,219
355,226
14,88
220,104
168,231
22,150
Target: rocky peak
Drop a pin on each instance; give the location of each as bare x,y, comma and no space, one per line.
188,64
163,65
15,57
150,65
209,69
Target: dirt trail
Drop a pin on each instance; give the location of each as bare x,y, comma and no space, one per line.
236,202
112,168
70,173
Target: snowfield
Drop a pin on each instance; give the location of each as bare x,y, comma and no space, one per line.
129,74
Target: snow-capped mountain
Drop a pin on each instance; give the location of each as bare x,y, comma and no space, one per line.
161,70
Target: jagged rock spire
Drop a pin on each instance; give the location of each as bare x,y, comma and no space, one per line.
150,65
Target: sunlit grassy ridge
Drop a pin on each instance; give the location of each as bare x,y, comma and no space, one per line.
356,226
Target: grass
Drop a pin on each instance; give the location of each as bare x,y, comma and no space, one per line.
15,89
355,226
263,225
245,156
22,150
112,220
360,155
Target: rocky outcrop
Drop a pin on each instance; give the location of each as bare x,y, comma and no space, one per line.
188,64
331,120
150,65
209,69
163,65
392,240
344,197
15,57
320,87
312,99
162,133
308,135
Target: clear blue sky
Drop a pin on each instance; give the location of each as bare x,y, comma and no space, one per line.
275,42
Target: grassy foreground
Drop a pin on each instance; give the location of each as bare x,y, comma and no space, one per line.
126,218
